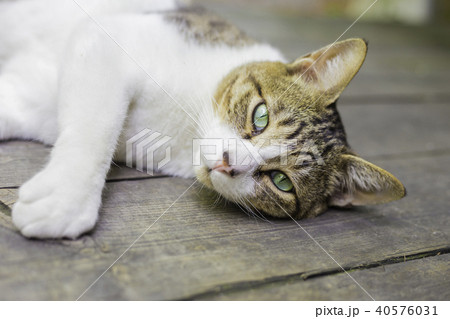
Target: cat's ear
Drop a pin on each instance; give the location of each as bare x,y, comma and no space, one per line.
331,68
364,183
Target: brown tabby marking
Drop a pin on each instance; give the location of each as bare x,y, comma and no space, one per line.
296,116
207,28
321,165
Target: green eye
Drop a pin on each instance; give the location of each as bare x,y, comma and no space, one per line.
281,181
260,117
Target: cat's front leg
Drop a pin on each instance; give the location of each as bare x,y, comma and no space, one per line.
54,204
64,198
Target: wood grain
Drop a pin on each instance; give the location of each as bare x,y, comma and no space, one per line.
197,247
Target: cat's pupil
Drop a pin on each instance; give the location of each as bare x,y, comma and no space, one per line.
260,117
281,181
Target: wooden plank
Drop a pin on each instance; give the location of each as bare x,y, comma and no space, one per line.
196,246
20,160
374,130
423,279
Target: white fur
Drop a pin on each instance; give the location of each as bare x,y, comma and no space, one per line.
64,81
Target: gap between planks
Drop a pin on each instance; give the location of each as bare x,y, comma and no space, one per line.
114,180
302,276
404,155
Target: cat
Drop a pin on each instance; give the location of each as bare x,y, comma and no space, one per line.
87,76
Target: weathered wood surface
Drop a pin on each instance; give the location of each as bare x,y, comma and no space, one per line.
20,160
196,247
396,113
423,279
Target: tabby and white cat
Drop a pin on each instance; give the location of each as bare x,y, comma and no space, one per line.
86,76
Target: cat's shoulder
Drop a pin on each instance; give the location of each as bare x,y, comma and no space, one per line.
205,27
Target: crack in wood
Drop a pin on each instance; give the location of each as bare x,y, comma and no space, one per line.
112,180
127,179
5,209
246,285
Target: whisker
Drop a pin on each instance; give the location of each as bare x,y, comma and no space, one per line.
259,213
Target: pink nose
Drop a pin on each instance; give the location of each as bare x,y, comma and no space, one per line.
223,166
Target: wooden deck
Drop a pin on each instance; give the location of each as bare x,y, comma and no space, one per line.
397,114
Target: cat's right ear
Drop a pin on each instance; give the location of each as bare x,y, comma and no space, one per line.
331,68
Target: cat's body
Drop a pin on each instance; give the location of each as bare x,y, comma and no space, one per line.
153,40
88,76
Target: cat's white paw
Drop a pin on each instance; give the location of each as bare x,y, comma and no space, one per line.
52,207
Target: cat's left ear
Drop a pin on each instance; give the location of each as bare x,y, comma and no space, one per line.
363,183
331,68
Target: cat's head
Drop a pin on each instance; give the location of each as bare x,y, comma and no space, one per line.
285,150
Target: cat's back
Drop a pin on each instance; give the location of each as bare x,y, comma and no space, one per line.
204,27
187,46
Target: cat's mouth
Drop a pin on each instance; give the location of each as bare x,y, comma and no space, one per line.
220,178
218,172
203,174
